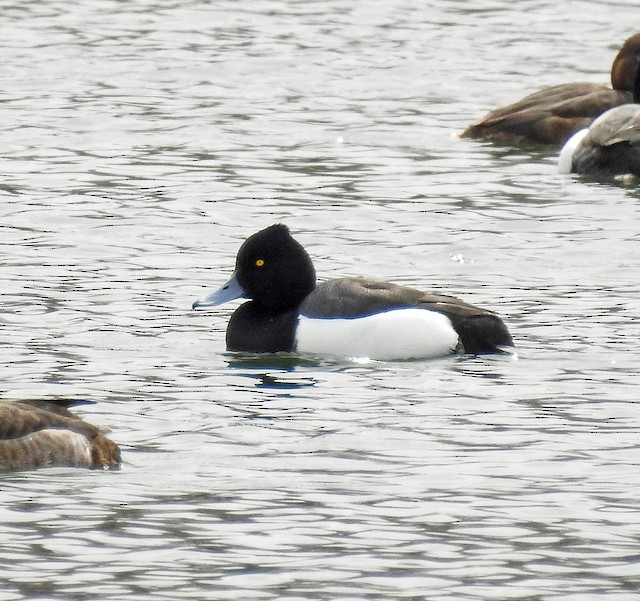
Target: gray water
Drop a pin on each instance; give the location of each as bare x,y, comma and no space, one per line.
143,141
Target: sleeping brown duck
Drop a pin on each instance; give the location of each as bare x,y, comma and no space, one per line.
37,434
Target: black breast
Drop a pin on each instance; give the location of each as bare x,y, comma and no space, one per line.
255,329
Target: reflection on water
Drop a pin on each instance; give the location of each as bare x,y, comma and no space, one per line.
142,144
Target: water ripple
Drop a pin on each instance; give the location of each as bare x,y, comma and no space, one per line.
143,143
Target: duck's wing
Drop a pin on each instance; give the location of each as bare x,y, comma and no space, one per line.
19,418
619,125
480,330
357,297
60,406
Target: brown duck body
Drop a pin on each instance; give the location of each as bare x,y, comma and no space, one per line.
554,114
37,434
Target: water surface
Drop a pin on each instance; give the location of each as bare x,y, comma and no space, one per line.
142,142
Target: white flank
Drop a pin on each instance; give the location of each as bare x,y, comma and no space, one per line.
565,160
393,335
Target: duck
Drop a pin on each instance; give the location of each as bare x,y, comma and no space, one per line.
354,317
609,147
46,433
554,114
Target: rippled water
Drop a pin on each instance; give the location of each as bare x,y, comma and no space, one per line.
142,142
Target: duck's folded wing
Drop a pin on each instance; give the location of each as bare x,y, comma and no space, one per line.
60,406
551,115
619,125
22,418
480,330
348,298
566,100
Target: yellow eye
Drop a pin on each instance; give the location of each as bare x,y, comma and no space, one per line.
259,262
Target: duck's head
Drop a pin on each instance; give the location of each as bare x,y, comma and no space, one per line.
625,72
272,269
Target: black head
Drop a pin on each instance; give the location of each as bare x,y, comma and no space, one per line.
274,270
